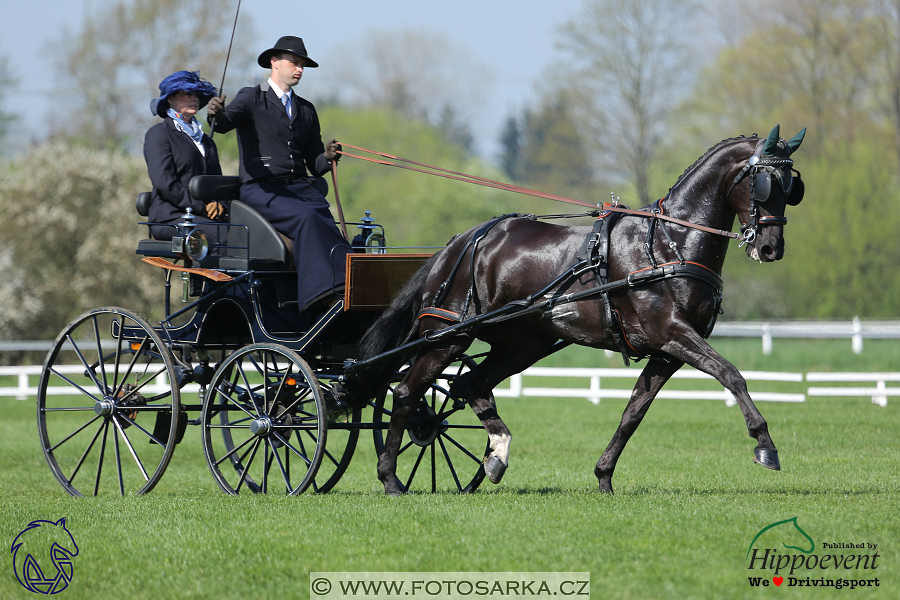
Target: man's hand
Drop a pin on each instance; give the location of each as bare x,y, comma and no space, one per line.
214,210
215,107
332,151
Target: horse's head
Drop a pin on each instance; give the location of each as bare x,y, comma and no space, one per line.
762,190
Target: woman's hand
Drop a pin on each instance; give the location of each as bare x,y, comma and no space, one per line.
214,210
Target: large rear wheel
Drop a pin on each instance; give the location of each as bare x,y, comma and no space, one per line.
107,393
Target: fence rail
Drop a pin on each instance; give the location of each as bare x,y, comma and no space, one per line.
599,386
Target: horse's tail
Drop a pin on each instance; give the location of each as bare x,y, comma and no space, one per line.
396,326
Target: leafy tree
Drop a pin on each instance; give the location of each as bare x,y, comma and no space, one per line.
417,74
628,61
120,56
511,153
7,81
67,241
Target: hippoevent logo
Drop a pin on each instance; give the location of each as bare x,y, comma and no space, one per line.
42,556
810,565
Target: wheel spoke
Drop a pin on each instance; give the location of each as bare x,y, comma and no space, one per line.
461,447
103,391
100,355
415,467
73,434
102,454
75,385
284,475
118,461
130,449
87,451
235,449
240,369
459,486
144,431
131,364
249,462
302,455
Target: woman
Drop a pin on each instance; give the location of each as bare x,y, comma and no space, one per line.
176,150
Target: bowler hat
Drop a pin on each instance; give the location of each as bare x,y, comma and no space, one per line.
181,81
288,43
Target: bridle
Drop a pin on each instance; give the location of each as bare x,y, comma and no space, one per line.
761,170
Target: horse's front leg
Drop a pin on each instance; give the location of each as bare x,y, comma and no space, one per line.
695,351
655,374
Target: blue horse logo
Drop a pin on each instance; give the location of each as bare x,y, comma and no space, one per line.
44,542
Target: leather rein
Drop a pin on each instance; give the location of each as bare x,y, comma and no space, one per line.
447,174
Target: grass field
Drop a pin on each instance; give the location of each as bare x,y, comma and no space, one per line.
688,502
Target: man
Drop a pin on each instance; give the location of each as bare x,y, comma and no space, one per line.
279,140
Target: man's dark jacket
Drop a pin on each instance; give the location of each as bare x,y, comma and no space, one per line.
271,145
172,160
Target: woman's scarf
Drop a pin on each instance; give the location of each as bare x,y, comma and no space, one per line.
192,128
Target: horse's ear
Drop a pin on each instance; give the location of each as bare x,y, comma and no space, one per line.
795,141
772,141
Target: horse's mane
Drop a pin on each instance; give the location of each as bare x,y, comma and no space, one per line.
707,154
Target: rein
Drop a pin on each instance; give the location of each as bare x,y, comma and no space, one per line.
464,177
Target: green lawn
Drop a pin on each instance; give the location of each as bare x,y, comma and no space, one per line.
688,502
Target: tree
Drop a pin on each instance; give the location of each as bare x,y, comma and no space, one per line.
120,56
417,74
630,59
7,81
67,241
511,144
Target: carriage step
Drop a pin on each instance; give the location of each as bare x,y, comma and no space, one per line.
208,273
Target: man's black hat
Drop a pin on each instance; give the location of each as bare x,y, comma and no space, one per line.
288,43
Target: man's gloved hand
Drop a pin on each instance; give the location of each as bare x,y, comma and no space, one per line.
332,151
215,107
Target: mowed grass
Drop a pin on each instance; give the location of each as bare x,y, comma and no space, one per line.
688,502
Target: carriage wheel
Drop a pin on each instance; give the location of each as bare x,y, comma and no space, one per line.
264,421
343,433
444,443
105,404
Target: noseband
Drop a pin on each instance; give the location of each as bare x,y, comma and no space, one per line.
761,170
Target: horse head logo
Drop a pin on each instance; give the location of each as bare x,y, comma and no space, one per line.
44,543
787,533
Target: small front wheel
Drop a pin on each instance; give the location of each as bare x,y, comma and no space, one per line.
264,421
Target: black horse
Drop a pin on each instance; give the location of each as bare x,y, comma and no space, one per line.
650,287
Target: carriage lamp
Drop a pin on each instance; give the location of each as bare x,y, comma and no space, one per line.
190,242
371,238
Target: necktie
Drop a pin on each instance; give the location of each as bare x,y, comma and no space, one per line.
287,106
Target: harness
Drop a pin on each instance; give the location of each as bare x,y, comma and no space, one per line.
593,256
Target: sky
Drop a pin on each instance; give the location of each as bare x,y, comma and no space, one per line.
513,38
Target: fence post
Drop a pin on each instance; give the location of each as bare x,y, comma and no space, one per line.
857,336
767,339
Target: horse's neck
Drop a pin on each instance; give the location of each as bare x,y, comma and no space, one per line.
700,196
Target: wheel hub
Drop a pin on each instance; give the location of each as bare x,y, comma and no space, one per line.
261,427
104,408
424,427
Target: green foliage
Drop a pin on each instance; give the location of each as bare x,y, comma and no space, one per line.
67,238
415,209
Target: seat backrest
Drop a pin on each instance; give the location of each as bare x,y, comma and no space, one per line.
142,203
268,249
208,188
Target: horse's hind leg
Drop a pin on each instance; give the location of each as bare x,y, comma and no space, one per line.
424,371
507,357
655,374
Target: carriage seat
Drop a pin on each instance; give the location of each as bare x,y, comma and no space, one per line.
269,249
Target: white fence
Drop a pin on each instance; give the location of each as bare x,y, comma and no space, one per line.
598,380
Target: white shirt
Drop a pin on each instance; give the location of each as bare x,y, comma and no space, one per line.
281,93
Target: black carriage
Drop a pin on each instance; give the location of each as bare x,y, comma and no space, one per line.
234,356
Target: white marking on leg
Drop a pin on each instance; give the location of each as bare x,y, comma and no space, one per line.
500,446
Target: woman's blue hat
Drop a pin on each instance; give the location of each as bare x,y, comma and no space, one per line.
181,81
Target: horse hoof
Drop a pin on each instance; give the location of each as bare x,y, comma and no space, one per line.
494,469
767,458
